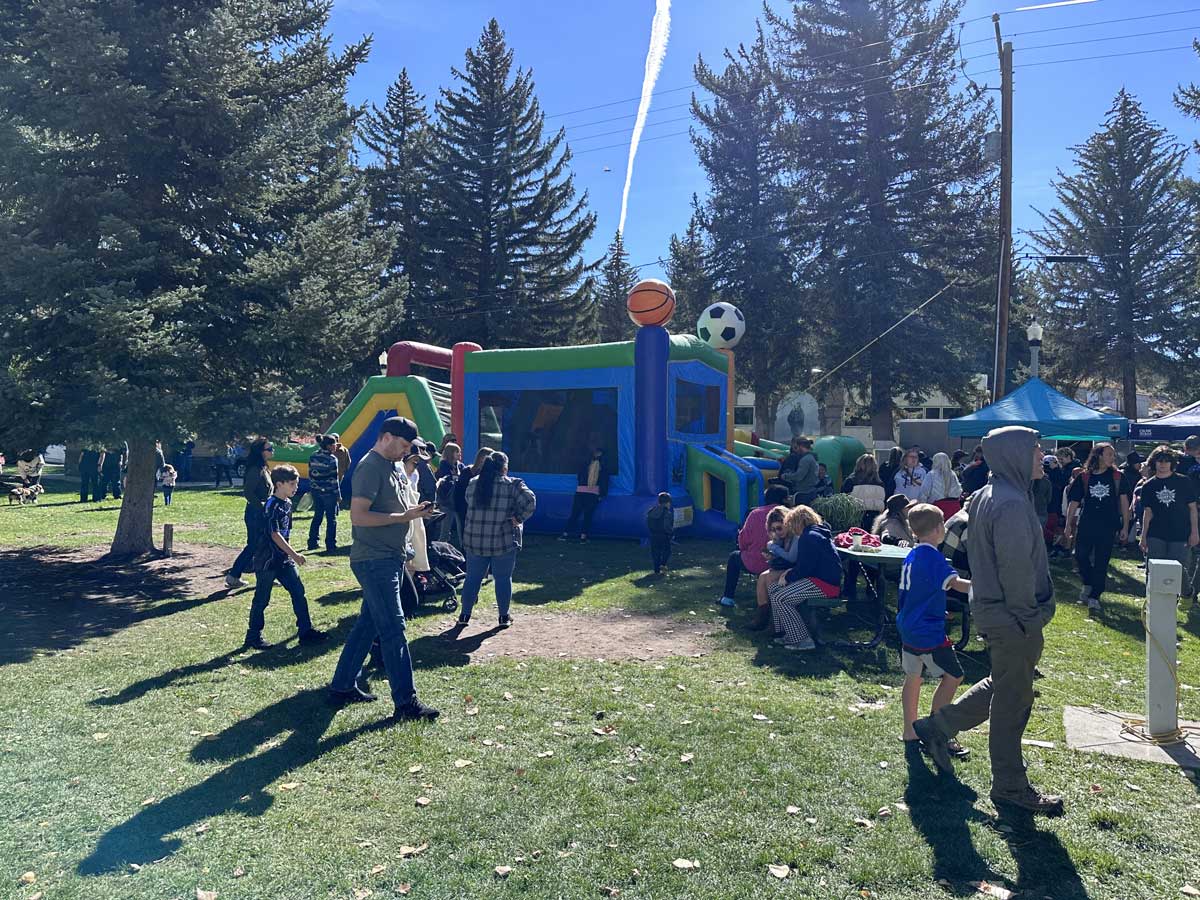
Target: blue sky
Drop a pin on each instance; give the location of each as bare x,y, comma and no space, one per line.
584,54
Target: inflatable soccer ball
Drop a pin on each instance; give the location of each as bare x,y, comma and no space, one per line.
721,326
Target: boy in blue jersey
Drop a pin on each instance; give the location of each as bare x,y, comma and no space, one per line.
921,619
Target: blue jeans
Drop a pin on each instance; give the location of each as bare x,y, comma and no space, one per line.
325,506
167,492
382,616
502,573
287,575
253,519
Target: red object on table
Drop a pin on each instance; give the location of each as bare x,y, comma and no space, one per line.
845,540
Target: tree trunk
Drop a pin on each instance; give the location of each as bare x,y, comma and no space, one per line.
1129,387
134,526
883,426
764,417
832,408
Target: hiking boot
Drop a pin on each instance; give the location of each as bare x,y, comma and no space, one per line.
935,743
232,581
1031,800
256,642
414,710
313,636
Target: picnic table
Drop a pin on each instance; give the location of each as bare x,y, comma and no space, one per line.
875,566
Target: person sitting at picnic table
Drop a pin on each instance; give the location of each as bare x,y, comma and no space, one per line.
816,574
941,486
800,472
752,543
866,487
891,527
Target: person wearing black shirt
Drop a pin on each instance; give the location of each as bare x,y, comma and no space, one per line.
1098,506
1169,514
975,474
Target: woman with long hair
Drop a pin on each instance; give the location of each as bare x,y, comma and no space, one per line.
910,478
816,573
460,488
887,472
891,526
942,488
867,488
497,507
1098,501
256,488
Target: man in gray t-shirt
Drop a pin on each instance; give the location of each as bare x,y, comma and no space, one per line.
379,520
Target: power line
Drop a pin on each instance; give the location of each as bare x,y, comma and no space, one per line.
1115,37
1055,62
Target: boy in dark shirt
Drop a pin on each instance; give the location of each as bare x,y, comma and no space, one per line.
1169,514
275,560
660,522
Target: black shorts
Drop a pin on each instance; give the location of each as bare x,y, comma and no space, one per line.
937,662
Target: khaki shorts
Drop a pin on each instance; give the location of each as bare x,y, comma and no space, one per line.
939,662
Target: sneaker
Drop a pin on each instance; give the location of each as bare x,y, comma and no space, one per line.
505,622
727,601
312,547
781,640
357,694
313,636
1030,800
232,581
803,645
935,743
1085,595
1093,604
414,710
256,642
957,750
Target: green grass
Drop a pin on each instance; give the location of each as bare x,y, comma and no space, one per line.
188,784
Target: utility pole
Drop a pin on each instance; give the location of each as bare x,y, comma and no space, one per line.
1004,286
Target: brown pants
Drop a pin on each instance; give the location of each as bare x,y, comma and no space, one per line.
1005,697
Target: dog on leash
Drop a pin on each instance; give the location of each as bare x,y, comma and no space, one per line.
23,495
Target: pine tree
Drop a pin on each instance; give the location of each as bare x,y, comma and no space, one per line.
886,158
183,239
1129,311
510,229
687,273
398,183
617,279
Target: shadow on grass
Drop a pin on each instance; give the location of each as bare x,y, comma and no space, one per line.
54,598
447,648
942,808
240,787
276,657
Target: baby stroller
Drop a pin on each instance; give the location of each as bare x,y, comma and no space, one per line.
447,569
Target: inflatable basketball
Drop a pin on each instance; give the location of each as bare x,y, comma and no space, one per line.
651,302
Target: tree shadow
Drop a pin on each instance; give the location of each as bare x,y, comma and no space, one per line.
278,656
240,787
448,648
55,598
941,808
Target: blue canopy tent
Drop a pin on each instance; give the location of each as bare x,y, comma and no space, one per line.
1176,426
1037,405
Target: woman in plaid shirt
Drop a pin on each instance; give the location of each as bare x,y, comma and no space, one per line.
496,508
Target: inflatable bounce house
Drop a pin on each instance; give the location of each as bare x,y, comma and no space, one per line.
660,406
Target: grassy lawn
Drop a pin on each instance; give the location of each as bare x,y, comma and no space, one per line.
144,756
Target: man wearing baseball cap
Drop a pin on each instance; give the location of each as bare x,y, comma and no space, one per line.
379,517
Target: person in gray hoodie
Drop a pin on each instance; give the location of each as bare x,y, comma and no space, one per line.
1012,599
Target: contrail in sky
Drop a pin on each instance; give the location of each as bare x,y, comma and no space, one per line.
660,30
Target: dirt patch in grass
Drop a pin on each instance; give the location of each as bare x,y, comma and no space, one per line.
53,598
613,635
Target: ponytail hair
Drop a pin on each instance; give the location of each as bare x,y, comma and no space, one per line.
493,470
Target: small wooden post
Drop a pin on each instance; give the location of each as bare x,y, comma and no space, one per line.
168,540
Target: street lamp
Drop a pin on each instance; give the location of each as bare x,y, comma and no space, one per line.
1034,333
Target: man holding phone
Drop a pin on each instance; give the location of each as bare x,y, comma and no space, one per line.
379,517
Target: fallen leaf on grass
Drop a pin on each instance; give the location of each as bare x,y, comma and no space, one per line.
404,888
680,687
545,753
38,896
239,872
883,764
472,710
1030,742
361,893
780,871
413,770
423,801
884,813
378,870
686,758
147,801
1095,789
759,717
508,696
991,890
202,894
1188,891
1132,786
901,805
686,865
29,878
202,827
605,731
99,735
863,823
290,786
462,763
406,851
611,891
810,821
503,871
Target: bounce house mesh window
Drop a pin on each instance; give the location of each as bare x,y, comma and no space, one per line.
697,408
550,432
